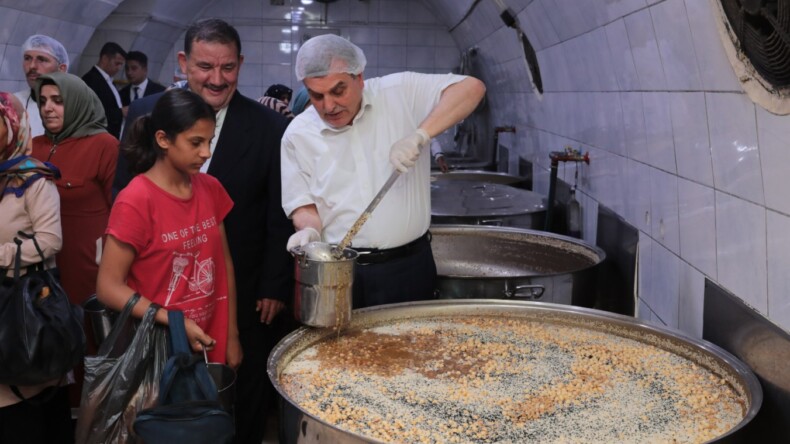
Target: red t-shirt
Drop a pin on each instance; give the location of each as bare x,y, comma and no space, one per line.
180,263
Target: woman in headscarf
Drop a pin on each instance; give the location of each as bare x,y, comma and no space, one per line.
29,202
277,98
75,140
300,102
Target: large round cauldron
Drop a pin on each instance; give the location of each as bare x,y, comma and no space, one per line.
298,426
502,262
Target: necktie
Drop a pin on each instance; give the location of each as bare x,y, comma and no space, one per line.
136,94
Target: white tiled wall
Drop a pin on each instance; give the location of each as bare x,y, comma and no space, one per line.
677,148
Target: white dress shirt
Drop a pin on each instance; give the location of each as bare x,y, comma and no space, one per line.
108,79
340,170
33,114
436,148
217,129
140,90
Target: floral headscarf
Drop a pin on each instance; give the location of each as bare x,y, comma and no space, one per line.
17,169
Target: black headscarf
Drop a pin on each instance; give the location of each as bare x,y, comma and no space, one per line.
278,91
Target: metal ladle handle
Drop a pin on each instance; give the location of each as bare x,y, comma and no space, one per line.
338,251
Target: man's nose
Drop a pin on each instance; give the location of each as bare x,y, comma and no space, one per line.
329,103
215,78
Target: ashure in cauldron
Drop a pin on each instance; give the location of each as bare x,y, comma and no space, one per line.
504,263
507,371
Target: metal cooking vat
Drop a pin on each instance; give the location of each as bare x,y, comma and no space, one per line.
480,203
503,262
298,426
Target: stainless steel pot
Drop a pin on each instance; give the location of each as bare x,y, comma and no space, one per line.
500,262
298,426
323,288
100,318
480,203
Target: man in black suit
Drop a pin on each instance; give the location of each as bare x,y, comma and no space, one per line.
99,78
137,74
246,160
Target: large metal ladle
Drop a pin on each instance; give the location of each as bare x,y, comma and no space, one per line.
337,251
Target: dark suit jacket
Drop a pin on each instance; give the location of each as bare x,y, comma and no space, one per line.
150,89
246,161
94,79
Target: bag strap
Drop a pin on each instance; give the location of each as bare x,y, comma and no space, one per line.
32,237
18,256
52,391
178,333
182,358
120,323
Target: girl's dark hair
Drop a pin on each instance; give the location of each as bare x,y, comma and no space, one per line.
175,112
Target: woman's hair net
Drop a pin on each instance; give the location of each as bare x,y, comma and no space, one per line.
328,54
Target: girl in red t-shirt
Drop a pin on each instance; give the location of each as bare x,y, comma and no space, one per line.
165,237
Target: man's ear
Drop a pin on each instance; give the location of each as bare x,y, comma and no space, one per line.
63,67
182,61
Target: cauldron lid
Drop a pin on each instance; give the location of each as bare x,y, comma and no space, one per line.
478,175
477,198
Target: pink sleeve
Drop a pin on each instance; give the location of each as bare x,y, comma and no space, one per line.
222,201
129,225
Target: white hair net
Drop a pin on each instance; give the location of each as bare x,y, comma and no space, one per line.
46,44
328,54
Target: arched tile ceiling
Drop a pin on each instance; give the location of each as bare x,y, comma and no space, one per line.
152,26
148,25
164,20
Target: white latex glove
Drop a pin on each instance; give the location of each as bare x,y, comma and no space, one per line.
404,153
302,238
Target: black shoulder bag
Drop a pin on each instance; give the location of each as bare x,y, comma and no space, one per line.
41,334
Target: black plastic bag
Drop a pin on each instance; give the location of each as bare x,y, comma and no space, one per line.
41,335
122,379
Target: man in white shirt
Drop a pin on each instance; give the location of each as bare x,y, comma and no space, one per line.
99,79
438,156
334,161
41,54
